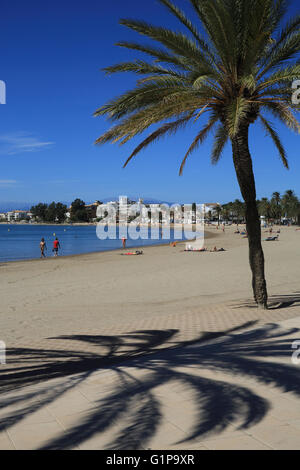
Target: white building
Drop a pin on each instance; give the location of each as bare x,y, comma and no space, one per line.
15,216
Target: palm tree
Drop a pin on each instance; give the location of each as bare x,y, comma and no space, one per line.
276,208
290,204
240,68
218,211
225,212
239,210
264,208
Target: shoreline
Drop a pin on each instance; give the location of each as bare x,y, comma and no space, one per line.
94,224
208,235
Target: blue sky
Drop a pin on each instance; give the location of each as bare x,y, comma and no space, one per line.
51,59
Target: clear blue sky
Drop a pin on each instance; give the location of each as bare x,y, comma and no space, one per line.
51,56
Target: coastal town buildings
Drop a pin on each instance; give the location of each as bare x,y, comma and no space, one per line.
126,210
16,215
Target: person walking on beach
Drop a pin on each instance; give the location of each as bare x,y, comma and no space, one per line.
43,247
56,246
124,242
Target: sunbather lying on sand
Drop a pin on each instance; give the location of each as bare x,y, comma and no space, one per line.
216,250
136,253
201,250
271,239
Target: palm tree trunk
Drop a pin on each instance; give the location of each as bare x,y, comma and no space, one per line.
244,170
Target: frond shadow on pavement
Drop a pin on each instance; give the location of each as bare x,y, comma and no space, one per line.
133,402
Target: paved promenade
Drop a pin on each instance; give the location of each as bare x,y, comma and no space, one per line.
217,378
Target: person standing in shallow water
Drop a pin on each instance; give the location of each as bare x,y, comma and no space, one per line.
43,247
56,246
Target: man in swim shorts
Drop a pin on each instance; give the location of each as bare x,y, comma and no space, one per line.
43,247
56,246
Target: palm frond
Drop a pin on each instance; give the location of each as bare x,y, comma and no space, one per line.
286,51
215,19
288,74
279,10
290,27
284,113
208,21
199,139
260,43
178,43
137,123
140,97
161,55
169,128
220,140
204,46
275,137
141,67
235,113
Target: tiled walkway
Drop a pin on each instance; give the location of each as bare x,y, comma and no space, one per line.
221,378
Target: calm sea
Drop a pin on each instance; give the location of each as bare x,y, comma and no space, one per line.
20,242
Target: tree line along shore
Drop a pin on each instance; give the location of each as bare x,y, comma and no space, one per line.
278,209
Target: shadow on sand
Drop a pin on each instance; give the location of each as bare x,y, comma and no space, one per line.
218,403
275,302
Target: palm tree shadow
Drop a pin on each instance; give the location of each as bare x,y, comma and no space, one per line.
284,301
133,402
145,341
276,302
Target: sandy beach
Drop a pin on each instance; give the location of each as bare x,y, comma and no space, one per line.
107,292
150,352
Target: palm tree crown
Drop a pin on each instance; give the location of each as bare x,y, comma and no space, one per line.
238,71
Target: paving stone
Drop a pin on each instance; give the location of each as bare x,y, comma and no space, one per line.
239,443
33,436
283,437
5,442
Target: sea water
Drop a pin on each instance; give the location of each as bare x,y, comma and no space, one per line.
21,242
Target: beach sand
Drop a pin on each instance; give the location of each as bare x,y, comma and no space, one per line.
109,294
82,370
